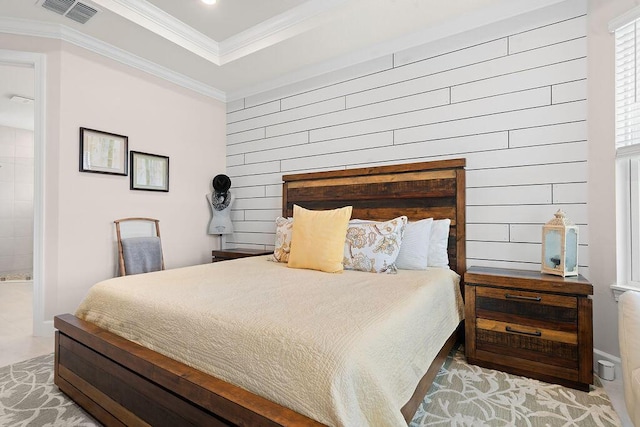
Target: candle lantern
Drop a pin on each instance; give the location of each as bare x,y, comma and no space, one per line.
560,246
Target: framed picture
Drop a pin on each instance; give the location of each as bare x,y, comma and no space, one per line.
103,152
149,172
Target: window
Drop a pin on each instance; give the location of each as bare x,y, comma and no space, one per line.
627,68
628,220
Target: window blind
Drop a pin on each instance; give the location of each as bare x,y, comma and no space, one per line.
627,142
627,96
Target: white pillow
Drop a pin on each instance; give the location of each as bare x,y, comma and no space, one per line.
438,256
373,246
414,251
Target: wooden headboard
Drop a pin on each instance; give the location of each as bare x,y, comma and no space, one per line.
417,190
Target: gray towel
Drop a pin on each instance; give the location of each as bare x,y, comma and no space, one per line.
142,254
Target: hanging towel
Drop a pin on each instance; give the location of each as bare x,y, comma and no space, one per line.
142,254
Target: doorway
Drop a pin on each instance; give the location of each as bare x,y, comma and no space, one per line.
27,145
16,173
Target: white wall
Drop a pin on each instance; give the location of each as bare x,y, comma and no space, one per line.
84,89
16,202
602,206
510,98
158,118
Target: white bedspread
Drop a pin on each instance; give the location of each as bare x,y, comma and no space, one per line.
345,349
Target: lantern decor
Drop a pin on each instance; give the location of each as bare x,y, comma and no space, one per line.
560,246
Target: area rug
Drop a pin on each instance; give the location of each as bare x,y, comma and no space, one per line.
467,395
461,395
28,397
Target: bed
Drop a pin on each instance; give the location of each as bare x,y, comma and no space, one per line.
123,383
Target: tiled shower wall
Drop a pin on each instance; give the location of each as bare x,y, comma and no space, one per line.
16,203
509,97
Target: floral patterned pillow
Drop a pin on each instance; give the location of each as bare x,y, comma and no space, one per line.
284,230
373,246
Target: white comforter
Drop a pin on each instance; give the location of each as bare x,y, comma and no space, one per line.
345,349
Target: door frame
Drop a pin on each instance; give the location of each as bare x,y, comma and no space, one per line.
36,61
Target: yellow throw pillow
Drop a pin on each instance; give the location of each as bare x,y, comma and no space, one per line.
317,242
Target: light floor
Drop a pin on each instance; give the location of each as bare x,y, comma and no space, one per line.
616,393
16,324
17,342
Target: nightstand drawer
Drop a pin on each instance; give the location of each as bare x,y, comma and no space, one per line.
524,296
535,309
549,346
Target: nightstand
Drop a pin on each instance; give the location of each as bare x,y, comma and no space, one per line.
531,324
227,254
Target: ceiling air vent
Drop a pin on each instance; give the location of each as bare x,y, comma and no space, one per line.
72,9
81,13
58,6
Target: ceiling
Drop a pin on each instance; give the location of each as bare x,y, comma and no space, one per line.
239,47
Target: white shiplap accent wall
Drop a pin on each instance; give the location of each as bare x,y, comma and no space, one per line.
510,98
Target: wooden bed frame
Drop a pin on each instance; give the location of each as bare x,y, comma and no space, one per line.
122,383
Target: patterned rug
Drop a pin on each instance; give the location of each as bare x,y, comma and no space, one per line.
467,395
28,397
461,395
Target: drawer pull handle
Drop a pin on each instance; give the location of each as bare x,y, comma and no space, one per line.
509,296
515,331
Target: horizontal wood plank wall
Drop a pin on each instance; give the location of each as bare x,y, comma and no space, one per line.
510,98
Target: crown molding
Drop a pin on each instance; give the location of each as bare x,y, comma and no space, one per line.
62,32
160,22
274,30
258,37
267,33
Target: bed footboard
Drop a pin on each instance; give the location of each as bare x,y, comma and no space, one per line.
121,383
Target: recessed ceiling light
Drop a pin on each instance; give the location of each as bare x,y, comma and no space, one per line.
209,1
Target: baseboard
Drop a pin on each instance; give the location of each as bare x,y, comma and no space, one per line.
601,355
